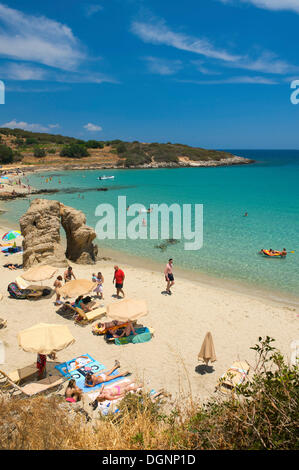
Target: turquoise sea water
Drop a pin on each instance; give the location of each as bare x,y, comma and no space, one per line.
267,190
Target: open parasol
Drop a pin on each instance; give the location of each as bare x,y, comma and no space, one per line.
45,338
127,310
38,273
76,287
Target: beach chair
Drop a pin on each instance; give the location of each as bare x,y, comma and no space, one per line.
31,292
233,377
18,375
34,388
82,318
3,323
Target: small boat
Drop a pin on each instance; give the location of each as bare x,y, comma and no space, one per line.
106,177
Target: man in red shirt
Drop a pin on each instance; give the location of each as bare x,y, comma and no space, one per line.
119,277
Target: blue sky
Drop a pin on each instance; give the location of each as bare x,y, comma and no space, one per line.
212,73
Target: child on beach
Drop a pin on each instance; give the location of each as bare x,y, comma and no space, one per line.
99,279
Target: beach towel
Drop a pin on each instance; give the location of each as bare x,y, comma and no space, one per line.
10,250
16,292
78,368
143,335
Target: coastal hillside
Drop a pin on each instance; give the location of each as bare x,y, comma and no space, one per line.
32,148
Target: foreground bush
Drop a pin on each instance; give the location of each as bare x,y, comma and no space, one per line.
263,414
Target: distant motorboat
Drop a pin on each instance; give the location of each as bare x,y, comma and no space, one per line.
106,178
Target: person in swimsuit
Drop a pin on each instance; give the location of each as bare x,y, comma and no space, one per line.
57,284
68,274
127,331
115,392
283,253
72,392
93,380
99,287
169,276
119,277
79,303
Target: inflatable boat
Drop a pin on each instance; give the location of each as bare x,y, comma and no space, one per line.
271,254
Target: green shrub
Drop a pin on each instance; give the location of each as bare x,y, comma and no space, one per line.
39,152
74,151
94,144
6,154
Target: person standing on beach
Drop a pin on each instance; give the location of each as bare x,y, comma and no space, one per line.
169,276
41,364
119,277
57,284
68,274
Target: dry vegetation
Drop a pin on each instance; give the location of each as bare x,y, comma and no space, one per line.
263,414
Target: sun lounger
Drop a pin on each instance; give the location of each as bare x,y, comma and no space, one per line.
29,292
87,317
30,389
233,377
22,374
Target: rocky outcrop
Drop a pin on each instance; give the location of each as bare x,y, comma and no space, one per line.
78,235
40,227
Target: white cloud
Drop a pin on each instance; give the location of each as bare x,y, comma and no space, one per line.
234,80
54,126
267,63
26,72
21,71
38,48
92,9
156,32
163,66
25,125
159,33
92,127
276,5
38,39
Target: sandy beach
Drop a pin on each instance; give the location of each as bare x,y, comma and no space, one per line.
180,321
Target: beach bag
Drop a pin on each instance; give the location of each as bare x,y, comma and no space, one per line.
46,292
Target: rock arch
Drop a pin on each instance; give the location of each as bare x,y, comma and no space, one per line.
40,227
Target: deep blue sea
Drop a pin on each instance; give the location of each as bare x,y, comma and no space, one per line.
268,190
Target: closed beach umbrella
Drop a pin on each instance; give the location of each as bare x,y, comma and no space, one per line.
207,350
45,338
39,273
11,235
76,287
127,310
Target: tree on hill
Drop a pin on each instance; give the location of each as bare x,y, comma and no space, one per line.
39,152
94,144
74,151
6,154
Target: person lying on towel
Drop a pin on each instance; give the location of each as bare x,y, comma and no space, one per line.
92,380
116,328
117,391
